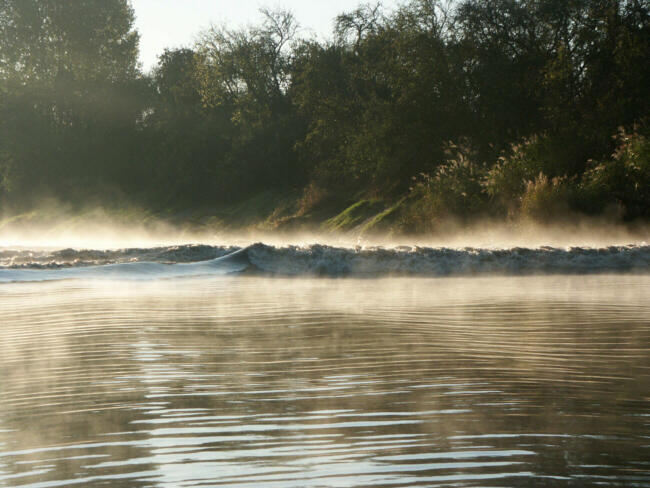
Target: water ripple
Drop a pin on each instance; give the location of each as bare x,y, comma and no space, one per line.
244,381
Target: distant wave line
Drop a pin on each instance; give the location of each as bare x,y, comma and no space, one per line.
316,260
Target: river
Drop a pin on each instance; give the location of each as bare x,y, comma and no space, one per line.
247,380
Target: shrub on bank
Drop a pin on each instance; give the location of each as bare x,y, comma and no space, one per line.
622,180
545,199
453,191
525,184
507,181
312,195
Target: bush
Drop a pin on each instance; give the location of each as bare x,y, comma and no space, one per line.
545,199
622,180
507,180
313,194
453,191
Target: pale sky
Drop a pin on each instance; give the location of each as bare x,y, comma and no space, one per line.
176,23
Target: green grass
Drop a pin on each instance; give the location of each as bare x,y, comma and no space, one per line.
354,215
384,220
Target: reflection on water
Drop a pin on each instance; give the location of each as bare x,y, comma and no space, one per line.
528,381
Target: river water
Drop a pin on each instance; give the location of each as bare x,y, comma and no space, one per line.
246,380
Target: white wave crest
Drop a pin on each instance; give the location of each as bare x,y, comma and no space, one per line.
179,261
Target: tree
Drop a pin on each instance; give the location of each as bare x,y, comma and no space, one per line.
186,143
43,40
248,66
68,72
247,73
352,27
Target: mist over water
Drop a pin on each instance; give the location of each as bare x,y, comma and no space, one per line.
117,250
250,381
54,227
471,360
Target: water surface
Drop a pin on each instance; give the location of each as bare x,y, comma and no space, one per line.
276,382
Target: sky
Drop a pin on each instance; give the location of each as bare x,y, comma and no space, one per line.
176,23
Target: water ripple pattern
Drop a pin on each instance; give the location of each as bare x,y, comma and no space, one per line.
255,381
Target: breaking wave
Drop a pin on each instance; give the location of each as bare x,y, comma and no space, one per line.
200,260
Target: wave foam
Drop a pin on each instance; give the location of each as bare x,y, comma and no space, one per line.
193,260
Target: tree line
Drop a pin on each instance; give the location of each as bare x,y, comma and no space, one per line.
464,108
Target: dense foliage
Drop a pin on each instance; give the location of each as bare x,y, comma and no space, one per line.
466,108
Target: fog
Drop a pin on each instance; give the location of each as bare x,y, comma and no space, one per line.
56,227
